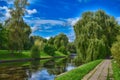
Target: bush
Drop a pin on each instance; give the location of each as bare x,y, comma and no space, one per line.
63,50
49,49
116,51
35,52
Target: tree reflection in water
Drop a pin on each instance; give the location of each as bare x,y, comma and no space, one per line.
36,70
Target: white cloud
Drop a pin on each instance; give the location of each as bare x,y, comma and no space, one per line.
39,21
33,11
47,24
47,37
118,19
72,21
34,28
7,14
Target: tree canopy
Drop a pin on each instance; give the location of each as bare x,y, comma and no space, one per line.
95,32
18,30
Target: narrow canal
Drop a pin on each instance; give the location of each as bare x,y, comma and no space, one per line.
37,70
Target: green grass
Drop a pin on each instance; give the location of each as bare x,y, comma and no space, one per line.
57,53
5,55
116,70
44,55
80,72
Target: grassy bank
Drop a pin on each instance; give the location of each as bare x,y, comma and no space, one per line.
6,55
116,70
80,72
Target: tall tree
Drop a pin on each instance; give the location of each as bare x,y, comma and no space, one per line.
60,40
18,30
3,37
95,33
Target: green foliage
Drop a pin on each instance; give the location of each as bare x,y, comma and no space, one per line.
95,33
34,38
63,50
37,48
35,52
3,37
71,47
116,50
80,72
18,30
49,49
58,43
51,40
60,40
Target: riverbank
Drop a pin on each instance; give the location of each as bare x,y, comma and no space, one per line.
25,55
78,73
116,70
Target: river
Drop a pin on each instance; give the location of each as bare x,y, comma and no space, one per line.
36,70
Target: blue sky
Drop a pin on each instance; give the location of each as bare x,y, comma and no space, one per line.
50,17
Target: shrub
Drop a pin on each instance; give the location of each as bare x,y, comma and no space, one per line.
49,49
116,50
63,50
35,52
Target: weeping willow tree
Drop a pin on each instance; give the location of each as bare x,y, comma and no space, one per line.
19,31
95,33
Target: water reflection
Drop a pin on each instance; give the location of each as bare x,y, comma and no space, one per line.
36,70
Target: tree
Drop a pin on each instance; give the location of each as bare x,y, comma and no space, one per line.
3,37
63,50
60,40
49,49
34,38
19,31
51,40
36,48
71,47
116,50
95,33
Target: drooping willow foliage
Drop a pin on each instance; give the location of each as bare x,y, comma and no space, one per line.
19,31
95,32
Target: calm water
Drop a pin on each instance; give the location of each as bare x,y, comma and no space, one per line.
37,70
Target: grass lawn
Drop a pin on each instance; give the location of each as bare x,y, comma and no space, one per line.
116,70
5,55
80,72
57,53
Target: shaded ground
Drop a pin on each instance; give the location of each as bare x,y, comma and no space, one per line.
102,72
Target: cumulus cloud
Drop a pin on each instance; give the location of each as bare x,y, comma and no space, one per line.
33,11
48,24
7,14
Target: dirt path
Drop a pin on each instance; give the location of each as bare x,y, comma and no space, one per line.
101,72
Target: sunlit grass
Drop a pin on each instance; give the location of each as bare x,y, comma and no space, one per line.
80,72
6,55
116,70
